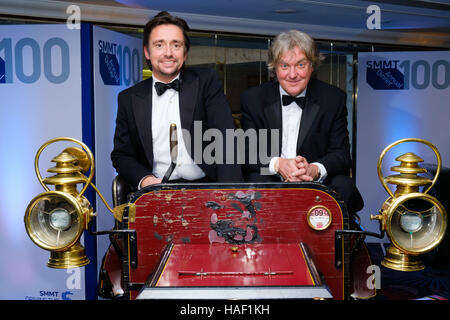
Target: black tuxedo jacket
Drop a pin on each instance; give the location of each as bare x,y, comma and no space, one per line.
323,135
201,99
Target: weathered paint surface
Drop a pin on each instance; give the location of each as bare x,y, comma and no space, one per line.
237,217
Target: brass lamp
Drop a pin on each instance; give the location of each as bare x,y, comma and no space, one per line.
415,221
55,220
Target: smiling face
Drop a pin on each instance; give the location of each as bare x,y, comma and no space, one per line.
166,51
293,71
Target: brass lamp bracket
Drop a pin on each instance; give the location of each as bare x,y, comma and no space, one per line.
86,163
380,160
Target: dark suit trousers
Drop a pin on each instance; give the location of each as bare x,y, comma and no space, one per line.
346,188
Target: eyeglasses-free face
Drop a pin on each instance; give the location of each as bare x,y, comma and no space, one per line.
166,51
294,71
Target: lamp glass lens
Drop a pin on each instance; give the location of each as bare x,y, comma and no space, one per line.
416,224
60,219
54,222
411,222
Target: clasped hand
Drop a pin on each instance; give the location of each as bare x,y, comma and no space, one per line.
296,169
149,180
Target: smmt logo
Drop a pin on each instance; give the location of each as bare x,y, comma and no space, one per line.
65,295
51,295
2,71
384,75
48,295
109,65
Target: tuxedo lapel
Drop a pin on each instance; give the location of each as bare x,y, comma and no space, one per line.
272,111
188,98
309,113
142,109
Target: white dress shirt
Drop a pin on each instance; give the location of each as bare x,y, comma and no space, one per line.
291,117
165,111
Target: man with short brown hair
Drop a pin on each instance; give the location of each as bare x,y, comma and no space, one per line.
174,94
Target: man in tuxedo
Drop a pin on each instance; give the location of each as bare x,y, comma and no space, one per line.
192,98
309,116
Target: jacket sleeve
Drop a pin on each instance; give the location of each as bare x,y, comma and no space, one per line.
128,156
252,123
219,117
337,159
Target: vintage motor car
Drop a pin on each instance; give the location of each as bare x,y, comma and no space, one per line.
233,241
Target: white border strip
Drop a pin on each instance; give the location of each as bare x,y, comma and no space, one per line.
227,293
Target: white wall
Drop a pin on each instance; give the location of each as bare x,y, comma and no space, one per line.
419,110
34,107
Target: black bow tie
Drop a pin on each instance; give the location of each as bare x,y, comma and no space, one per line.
162,87
287,100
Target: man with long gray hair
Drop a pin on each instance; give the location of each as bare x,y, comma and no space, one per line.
310,116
